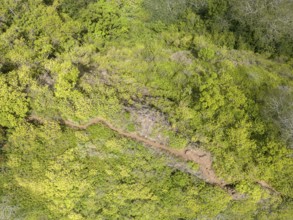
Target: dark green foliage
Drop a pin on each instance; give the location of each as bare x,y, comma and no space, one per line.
103,19
263,25
165,10
73,7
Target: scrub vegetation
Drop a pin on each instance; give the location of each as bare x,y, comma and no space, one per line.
146,109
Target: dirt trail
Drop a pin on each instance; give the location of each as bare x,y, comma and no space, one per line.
199,156
202,158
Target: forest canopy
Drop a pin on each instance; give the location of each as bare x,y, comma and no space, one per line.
146,109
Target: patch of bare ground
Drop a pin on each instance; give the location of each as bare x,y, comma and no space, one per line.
183,57
150,124
196,155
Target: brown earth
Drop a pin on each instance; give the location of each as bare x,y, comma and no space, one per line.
202,158
198,156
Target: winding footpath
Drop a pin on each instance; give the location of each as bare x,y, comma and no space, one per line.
198,156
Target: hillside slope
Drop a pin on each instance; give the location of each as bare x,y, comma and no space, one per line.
145,110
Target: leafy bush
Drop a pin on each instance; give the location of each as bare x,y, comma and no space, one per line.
206,54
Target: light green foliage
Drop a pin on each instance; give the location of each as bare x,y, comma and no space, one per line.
192,22
95,170
103,19
42,34
176,141
66,76
206,54
13,104
63,60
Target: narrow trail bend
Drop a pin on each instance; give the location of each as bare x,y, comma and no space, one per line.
198,156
